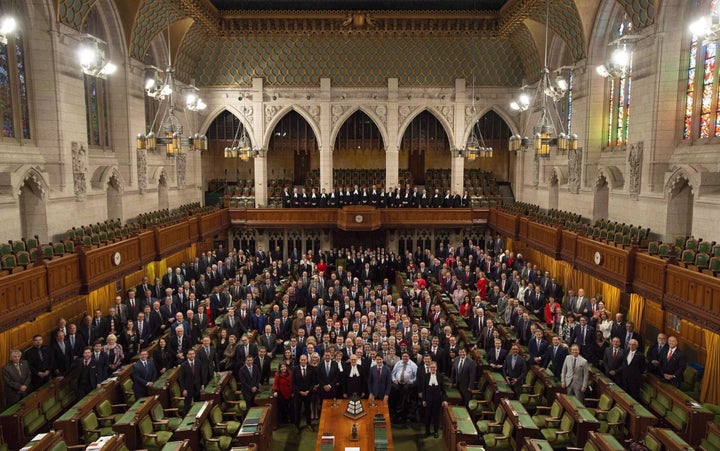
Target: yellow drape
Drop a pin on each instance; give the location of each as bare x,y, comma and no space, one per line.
710,390
611,297
102,298
637,310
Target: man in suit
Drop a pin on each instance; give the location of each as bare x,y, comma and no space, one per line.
673,365
262,363
555,356
630,334
179,344
537,348
245,349
75,342
496,356
580,305
232,324
515,370
40,360
208,357
87,374
379,381
613,359
143,375
575,374
632,369
329,377
101,361
618,328
304,382
582,335
463,375
192,379
16,378
433,396
656,353
249,378
268,340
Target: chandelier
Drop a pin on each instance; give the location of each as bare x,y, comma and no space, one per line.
242,148
93,57
160,85
547,94
475,146
619,63
707,27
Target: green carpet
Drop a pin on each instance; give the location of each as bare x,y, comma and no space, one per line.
405,438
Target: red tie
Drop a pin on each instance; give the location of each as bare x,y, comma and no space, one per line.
670,353
614,354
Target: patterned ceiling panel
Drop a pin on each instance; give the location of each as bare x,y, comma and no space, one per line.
565,21
153,17
366,61
72,12
526,50
641,12
190,53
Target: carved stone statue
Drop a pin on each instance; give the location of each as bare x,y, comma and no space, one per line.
574,170
79,166
635,169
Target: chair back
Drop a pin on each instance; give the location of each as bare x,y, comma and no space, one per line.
566,424
146,426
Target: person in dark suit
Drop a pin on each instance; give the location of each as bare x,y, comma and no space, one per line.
143,375
262,362
208,357
630,334
656,353
618,328
61,354
433,396
523,329
379,381
582,335
268,340
496,356
249,379
329,377
463,375
16,378
555,356
191,379
515,370
304,382
631,371
674,363
87,374
354,378
40,360
613,359
101,360
537,348
179,345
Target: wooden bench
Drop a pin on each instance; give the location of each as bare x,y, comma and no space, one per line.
711,441
161,387
128,423
584,421
598,441
457,427
496,387
682,412
637,419
189,429
522,422
260,434
665,439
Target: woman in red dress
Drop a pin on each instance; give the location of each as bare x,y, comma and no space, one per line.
282,391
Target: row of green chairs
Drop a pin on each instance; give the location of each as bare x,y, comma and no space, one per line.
521,208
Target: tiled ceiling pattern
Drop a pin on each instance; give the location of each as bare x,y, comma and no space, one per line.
358,61
565,21
364,5
72,12
641,12
526,50
190,53
153,17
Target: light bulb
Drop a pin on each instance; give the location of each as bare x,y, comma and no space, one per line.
700,27
87,56
7,25
602,71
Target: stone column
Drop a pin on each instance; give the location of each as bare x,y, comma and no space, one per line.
392,163
457,168
326,147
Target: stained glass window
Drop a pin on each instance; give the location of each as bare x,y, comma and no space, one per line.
618,112
96,95
14,112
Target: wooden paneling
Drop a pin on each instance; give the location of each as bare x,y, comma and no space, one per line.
23,295
614,267
545,238
98,267
147,246
522,234
568,246
449,217
213,223
505,223
358,218
194,228
171,239
693,296
63,277
649,277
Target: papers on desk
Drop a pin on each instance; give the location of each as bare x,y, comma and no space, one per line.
352,448
99,443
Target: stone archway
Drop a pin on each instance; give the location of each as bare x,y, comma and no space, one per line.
680,206
113,195
601,198
33,208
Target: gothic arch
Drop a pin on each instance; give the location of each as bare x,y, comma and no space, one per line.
281,114
499,111
33,174
159,173
102,175
681,190
32,202
235,111
371,114
612,175
689,174
436,114
560,174
113,27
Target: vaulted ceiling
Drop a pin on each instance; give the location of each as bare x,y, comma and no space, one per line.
354,42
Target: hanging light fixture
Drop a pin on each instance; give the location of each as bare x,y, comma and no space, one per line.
93,57
707,27
547,94
475,146
7,26
242,150
160,85
619,63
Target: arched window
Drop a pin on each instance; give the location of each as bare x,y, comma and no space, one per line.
96,93
618,112
702,113
13,86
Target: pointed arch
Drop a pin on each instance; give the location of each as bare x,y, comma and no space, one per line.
37,178
514,129
109,15
275,120
612,175
436,114
370,113
159,173
560,174
681,191
102,175
683,173
236,112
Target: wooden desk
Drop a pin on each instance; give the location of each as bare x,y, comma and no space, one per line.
110,443
334,421
457,426
215,388
552,384
497,387
604,442
189,429
44,441
462,446
69,422
128,423
669,439
534,444
177,446
161,387
638,418
582,418
261,434
523,424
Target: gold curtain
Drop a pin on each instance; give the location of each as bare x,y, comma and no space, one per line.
102,298
710,390
611,297
637,310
